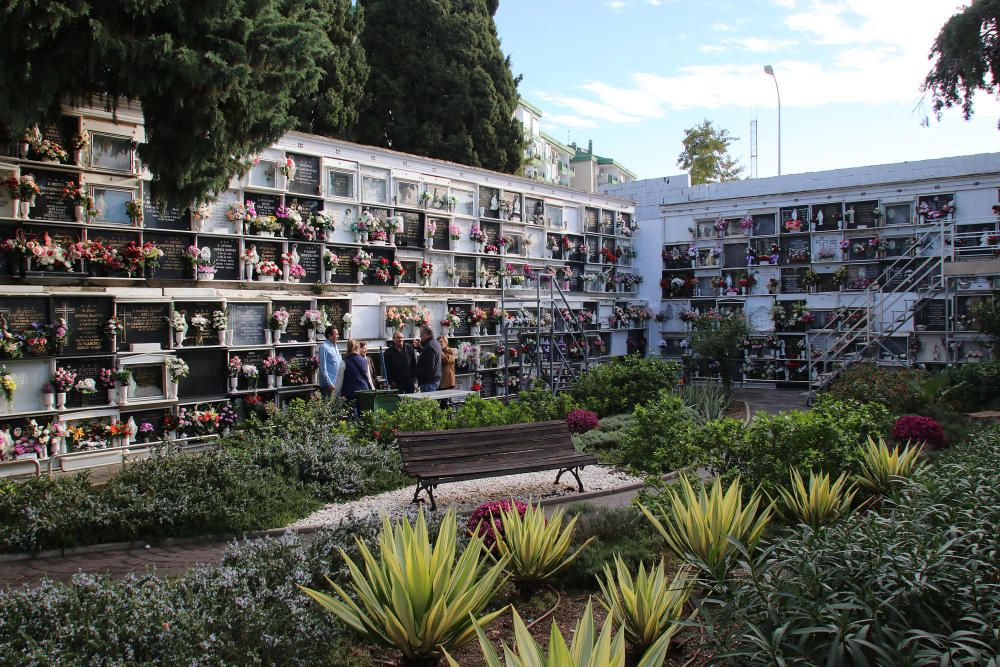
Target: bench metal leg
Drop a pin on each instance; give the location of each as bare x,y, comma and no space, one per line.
429,488
573,471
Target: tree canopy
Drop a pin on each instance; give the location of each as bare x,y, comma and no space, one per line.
439,85
706,154
966,56
218,80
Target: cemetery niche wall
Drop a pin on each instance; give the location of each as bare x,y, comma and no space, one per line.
125,322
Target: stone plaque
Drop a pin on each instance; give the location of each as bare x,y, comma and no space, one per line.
308,179
172,265
932,314
217,221
466,269
264,204
86,317
346,273
87,367
591,222
295,333
311,259
488,380
50,204
441,237
30,375
208,373
412,235
157,215
486,197
254,358
864,214
801,213
62,131
832,214
152,417
763,225
226,253
147,382
144,323
411,267
462,310
797,250
248,321
306,204
341,184
21,312
335,310
269,251
492,231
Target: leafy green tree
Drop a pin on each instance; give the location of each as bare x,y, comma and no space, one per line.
217,79
706,154
439,85
332,110
717,338
967,52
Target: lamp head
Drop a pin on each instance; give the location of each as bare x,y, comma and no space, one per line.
768,70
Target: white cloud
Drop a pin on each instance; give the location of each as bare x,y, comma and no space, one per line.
761,44
790,4
615,4
711,48
722,27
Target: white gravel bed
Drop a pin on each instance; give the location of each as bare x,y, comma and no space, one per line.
466,496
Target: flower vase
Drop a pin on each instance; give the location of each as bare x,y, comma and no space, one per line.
179,338
112,395
395,281
22,149
423,281
390,238
276,335
429,242
78,213
26,205
285,272
123,395
357,237
364,237
312,335
49,401
270,381
268,337
196,224
172,390
346,336
265,233
361,277
248,271
61,400
279,380
233,384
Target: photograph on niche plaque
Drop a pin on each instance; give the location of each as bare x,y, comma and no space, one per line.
340,184
108,152
307,175
110,205
147,383
374,189
407,194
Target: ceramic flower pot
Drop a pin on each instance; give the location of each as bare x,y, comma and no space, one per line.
61,400
233,383
268,337
25,205
361,277
270,381
112,395
266,278
179,338
79,213
172,390
123,395
279,380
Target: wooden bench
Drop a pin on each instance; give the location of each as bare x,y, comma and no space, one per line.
439,457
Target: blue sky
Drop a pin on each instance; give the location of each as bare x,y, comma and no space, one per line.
633,74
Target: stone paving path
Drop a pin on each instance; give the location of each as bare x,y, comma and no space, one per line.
178,557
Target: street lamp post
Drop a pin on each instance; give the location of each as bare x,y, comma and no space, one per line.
770,72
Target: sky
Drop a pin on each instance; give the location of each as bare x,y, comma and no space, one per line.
632,75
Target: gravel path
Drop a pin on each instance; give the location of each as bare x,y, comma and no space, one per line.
468,495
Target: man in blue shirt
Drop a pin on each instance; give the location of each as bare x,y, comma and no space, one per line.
329,362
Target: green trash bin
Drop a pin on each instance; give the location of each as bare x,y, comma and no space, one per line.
382,399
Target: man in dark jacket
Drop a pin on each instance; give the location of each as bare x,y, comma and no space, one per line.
401,365
429,362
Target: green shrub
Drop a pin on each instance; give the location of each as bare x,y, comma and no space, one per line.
539,402
164,496
824,439
616,423
664,436
899,389
708,400
478,412
912,584
619,386
972,387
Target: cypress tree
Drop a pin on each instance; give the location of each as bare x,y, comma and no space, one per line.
217,79
439,84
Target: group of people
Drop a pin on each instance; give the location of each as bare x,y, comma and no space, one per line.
424,365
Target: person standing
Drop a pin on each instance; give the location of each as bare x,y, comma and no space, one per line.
355,372
447,364
429,362
401,365
363,351
329,362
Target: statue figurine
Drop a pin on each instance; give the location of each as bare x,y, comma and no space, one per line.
133,429
850,217
729,281
819,219
295,253
254,255
795,214
494,204
517,206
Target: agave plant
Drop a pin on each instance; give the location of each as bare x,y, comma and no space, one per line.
647,606
822,502
535,547
589,649
701,526
416,598
708,401
883,469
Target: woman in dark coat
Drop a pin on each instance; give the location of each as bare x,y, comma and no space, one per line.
355,372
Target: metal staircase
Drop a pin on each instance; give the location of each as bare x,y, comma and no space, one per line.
885,306
555,367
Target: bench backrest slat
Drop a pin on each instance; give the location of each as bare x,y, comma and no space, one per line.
528,441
